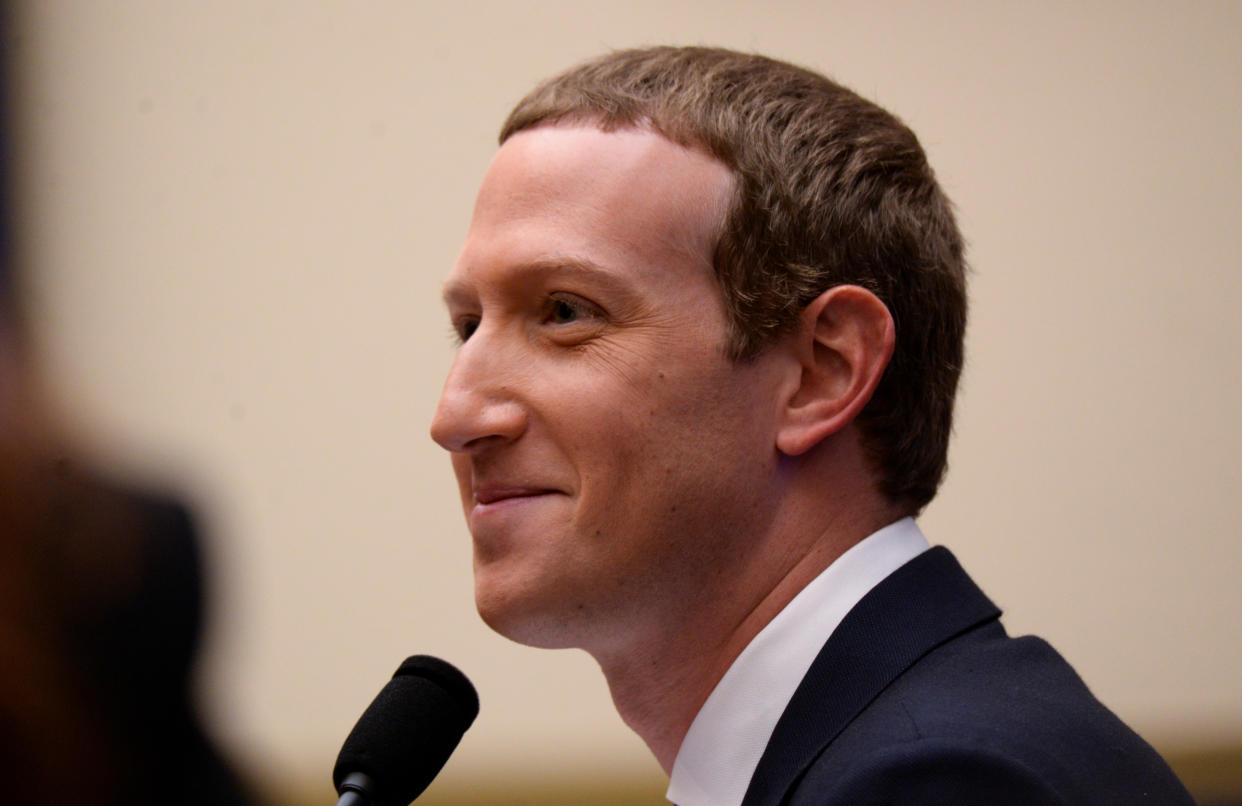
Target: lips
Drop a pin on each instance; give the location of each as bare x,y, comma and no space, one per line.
496,494
499,509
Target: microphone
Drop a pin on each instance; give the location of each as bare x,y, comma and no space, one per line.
405,735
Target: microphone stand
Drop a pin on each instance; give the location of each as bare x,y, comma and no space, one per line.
356,790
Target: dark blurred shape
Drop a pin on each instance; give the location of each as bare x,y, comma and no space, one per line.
99,622
101,603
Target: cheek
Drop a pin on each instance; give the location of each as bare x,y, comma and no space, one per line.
699,432
653,426
638,446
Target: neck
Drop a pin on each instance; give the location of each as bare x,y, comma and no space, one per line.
662,676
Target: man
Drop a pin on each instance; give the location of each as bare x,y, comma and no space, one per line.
711,310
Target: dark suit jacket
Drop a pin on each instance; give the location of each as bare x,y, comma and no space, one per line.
920,697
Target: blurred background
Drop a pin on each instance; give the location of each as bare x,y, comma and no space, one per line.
232,220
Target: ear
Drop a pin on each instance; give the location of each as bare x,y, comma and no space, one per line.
843,344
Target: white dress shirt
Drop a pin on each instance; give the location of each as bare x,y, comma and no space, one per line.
722,748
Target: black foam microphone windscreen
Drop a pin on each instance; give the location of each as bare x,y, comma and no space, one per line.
407,733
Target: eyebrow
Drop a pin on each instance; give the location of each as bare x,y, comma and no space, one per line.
570,266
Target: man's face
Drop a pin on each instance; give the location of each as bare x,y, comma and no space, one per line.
611,459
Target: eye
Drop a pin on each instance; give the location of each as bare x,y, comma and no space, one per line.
464,327
563,311
566,309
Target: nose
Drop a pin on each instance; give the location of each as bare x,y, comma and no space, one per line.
479,406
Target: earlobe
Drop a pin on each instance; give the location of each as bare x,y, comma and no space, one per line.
843,345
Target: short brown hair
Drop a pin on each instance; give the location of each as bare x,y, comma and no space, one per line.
831,190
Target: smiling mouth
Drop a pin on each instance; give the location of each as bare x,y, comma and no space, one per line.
494,495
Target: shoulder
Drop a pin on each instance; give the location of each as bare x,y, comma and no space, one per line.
988,719
927,772
922,697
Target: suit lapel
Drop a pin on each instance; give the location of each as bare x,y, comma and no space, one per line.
926,602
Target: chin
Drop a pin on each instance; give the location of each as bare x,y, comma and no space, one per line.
526,621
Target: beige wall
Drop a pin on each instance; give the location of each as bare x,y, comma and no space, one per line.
238,215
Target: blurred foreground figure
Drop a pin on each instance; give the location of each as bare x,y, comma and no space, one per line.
711,309
100,610
101,599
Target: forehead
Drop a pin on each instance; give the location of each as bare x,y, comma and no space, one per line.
627,199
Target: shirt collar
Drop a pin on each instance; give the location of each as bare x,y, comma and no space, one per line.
723,746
